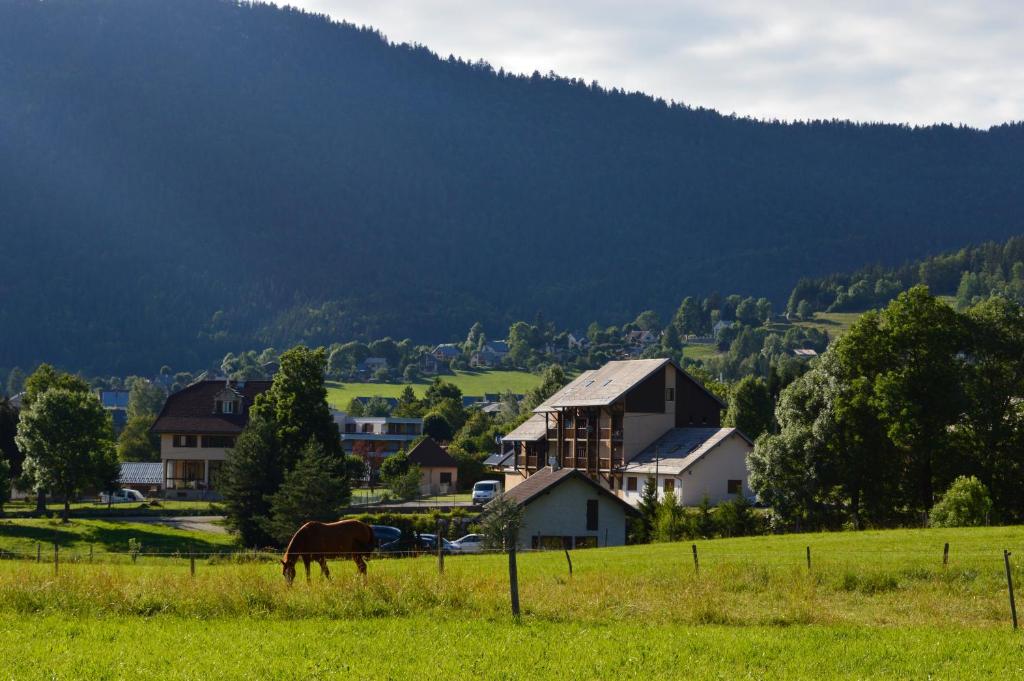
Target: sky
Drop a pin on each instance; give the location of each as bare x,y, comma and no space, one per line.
903,61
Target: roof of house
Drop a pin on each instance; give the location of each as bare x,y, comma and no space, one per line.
114,399
448,350
191,410
680,448
429,454
805,352
141,473
498,459
601,387
547,479
530,430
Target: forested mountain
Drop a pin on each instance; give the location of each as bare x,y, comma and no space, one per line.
182,177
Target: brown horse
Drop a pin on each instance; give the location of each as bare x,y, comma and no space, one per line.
317,541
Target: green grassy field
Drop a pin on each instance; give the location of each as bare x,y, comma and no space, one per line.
873,604
835,323
700,352
126,509
469,382
104,536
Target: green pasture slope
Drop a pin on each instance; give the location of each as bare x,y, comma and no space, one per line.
469,382
872,605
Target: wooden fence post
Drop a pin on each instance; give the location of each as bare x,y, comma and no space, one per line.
90,554
1009,586
945,555
39,552
191,561
56,558
696,563
567,558
440,547
513,581
808,558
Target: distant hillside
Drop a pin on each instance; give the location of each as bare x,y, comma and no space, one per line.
183,177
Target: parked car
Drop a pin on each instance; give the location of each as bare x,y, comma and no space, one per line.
385,534
424,543
121,496
471,543
485,490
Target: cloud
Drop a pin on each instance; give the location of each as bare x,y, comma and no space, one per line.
912,61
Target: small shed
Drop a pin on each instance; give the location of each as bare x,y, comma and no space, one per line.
563,508
144,476
439,471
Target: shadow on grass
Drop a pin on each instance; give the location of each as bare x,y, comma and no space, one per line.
113,539
152,540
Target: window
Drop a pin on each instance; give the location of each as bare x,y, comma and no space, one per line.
735,487
185,441
670,394
367,427
670,486
350,427
592,515
218,441
631,484
586,542
227,408
446,478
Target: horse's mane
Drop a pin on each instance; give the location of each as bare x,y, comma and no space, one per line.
299,533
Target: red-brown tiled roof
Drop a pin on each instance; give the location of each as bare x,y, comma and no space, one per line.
429,454
191,410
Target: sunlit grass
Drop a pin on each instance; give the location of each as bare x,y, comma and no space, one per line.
469,382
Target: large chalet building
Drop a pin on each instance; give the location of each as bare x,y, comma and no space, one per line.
196,427
630,420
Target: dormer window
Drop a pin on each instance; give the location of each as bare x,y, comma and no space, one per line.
227,407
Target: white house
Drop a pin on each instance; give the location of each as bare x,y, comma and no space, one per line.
692,463
563,508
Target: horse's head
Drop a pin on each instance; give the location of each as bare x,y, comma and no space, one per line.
288,570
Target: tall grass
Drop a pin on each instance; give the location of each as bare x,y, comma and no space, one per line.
878,578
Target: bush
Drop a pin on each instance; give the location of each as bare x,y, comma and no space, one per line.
736,518
965,504
407,485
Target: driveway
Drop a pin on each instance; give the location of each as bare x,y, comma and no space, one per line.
193,523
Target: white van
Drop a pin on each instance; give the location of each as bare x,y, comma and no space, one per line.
485,490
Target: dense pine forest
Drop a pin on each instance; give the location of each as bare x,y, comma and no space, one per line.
180,179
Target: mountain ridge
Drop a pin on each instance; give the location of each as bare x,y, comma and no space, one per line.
202,175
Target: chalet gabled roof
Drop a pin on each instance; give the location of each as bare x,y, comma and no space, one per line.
141,473
429,454
547,479
610,383
191,410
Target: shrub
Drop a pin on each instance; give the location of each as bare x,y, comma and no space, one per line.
965,504
670,521
736,518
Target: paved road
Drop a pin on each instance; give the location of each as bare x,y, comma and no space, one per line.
194,523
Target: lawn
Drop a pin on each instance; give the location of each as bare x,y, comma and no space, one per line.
835,323
878,604
700,352
469,382
76,537
162,505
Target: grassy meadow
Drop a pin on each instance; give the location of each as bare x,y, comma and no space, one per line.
469,382
876,604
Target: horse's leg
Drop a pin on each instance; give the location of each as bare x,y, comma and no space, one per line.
323,567
360,560
305,562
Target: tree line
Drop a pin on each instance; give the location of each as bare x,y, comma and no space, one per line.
912,398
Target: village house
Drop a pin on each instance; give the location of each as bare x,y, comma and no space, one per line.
143,476
564,508
490,355
607,424
197,426
374,438
439,472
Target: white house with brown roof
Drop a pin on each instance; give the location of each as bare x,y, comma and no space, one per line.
439,471
605,422
565,508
